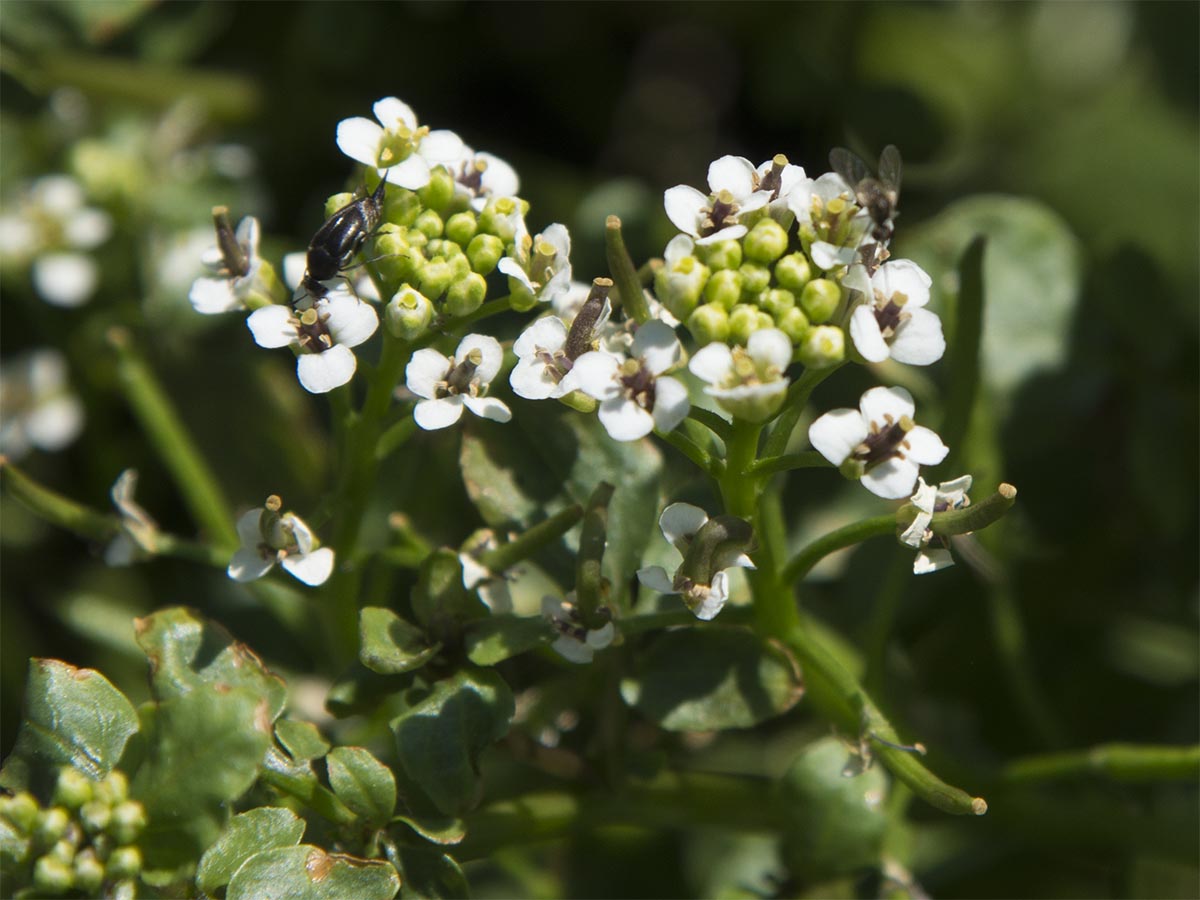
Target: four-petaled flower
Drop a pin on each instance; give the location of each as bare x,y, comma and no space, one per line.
747,382
404,152
635,397
546,350
575,642
269,538
235,262
541,266
322,335
447,385
930,499
830,218
704,588
37,408
718,216
481,176
893,322
879,442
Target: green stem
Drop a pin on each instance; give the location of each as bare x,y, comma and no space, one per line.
685,445
1115,762
319,799
531,540
395,437
846,536
190,472
458,326
55,508
731,615
718,425
589,578
624,273
805,459
793,408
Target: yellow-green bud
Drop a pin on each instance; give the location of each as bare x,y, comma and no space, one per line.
793,323
124,862
484,251
755,280
497,218
20,809
402,207
776,301
461,227
89,871
50,825
337,201
724,288
52,876
408,314
766,242
430,224
459,265
709,324
743,322
128,820
820,299
73,788
520,298
822,346
580,402
440,190
435,277
721,255
64,848
95,816
679,287
440,247
793,272
466,295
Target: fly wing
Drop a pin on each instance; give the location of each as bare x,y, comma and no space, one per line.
890,168
849,166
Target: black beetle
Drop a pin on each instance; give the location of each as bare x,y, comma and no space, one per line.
342,236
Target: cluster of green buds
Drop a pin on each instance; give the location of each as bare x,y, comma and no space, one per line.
83,843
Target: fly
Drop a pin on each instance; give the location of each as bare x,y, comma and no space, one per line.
878,195
339,239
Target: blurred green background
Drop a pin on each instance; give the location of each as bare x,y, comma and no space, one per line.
1087,110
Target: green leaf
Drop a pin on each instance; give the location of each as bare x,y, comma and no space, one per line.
429,873
309,873
490,641
707,679
362,782
389,645
440,601
436,829
264,828
72,716
1032,273
186,650
359,691
203,749
442,733
302,740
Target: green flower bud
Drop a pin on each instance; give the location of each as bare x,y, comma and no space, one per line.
743,322
64,848
337,201
755,280
128,820
679,287
822,346
776,301
73,788
793,271
721,255
89,871
520,297
440,190
95,816
459,265
440,248
709,324
484,251
461,227
114,788
724,288
793,323
579,401
466,295
430,224
20,809
124,862
408,314
820,299
52,876
50,825
766,242
435,277
497,218
402,207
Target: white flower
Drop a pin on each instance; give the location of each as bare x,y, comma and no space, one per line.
680,523
138,535
37,408
481,176
880,441
717,216
635,397
541,265
895,323
575,643
404,152
930,499
747,383
447,385
541,360
49,227
779,178
234,276
269,538
827,212
492,587
322,334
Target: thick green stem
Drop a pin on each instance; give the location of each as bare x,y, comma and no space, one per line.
55,508
685,445
624,273
589,579
718,425
1114,762
317,798
846,536
530,541
771,465
793,408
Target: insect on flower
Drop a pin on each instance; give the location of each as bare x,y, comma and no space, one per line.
878,195
339,239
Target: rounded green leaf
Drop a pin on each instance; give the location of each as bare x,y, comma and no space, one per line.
362,782
301,740
309,873
436,829
389,645
490,641
264,828
72,716
707,679
428,873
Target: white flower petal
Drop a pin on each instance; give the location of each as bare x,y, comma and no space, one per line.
734,174
713,363
499,178
891,479
657,579
685,207
490,351
594,373
599,638
931,560
65,279
411,173
547,333
249,528
880,402
624,420
247,565
301,533
488,408
294,266
55,423
273,326
680,522
906,277
830,256
531,379
87,228
211,296
836,434
919,340
360,138
925,447
393,113
311,568
350,320
320,373
914,534
864,331
441,413
572,650
677,248
729,233
713,602
671,403
442,147
424,370
657,346
770,347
